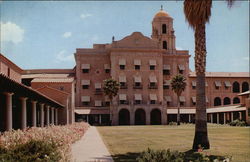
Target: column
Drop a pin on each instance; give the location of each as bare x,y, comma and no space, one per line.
33,107
189,118
232,116
240,115
47,115
52,115
41,115
225,121
87,118
100,119
211,115
24,112
8,121
218,118
56,116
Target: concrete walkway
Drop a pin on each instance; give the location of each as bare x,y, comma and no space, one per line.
90,148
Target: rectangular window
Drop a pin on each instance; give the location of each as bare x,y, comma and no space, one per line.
107,103
181,71
122,102
107,70
137,84
85,86
168,103
152,84
152,67
152,102
85,103
137,102
137,67
181,103
165,86
193,87
85,70
166,72
122,67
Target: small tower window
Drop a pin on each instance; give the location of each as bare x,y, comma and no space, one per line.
164,45
164,28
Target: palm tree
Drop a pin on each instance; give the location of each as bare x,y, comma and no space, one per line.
197,13
178,85
111,88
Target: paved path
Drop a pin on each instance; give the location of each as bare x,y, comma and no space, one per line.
90,148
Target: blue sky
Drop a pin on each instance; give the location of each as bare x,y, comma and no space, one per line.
46,34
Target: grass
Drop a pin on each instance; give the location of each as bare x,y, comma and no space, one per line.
126,142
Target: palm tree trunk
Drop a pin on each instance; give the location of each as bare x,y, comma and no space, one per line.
201,135
111,112
178,110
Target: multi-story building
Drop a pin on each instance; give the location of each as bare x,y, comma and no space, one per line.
144,67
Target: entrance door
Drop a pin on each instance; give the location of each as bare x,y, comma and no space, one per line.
140,117
124,117
155,117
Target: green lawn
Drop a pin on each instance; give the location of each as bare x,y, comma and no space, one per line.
126,142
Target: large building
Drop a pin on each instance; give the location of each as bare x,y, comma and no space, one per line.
144,67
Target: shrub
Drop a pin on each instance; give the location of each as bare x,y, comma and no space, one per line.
175,156
172,123
32,151
237,122
160,156
61,137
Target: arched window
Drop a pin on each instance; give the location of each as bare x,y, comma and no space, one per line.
164,28
164,45
217,101
226,101
236,100
245,86
236,87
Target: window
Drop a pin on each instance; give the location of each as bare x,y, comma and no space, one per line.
137,102
61,88
137,67
8,72
152,102
181,103
123,85
122,67
107,70
123,102
152,67
166,72
164,28
245,86
236,100
217,85
165,86
181,69
193,84
85,86
164,45
226,101
236,87
217,101
107,103
152,84
85,103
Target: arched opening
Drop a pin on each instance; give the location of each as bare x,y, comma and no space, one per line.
164,45
236,87
140,117
155,117
226,101
245,86
236,100
164,28
124,117
217,101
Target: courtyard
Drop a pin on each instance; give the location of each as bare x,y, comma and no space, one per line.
126,142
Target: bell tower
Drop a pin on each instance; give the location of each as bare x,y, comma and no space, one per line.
163,31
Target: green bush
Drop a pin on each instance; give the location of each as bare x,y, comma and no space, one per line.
175,156
36,151
172,123
237,122
160,156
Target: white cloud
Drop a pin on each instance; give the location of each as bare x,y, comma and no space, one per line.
67,34
62,57
10,32
246,58
83,16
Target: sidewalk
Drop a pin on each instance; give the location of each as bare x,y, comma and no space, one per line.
90,148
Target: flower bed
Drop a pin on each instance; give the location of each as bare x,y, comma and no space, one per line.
60,136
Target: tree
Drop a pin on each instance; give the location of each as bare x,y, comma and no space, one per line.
178,85
197,13
111,88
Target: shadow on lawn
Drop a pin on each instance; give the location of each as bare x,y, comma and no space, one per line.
128,157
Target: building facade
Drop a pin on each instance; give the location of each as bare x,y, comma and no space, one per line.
144,67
